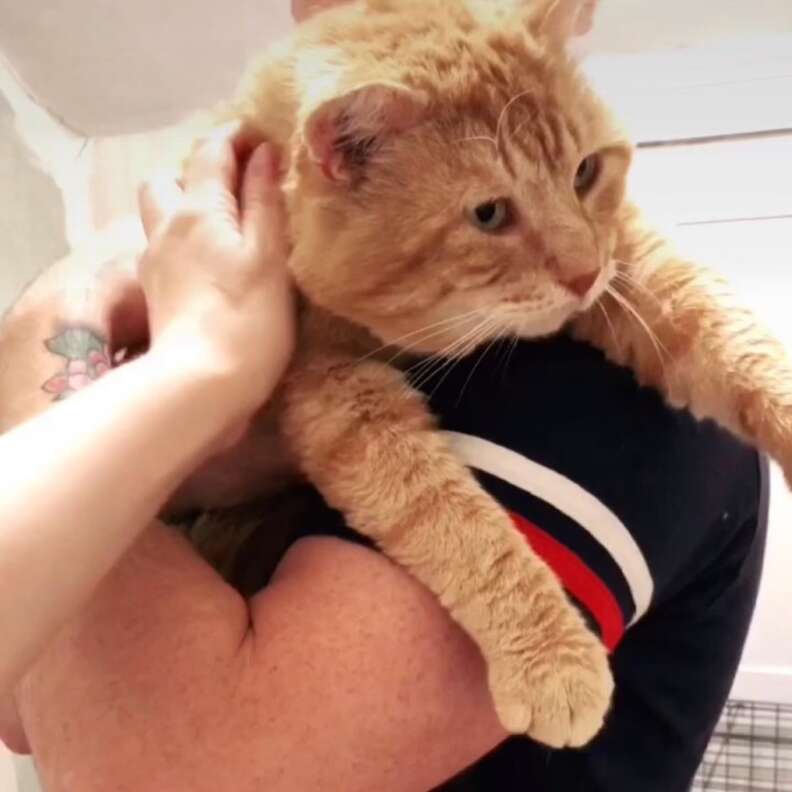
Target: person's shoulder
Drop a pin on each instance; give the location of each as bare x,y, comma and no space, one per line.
562,404
572,444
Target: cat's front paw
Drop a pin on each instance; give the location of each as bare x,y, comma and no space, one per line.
557,694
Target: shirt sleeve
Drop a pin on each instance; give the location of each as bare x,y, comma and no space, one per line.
674,671
655,524
673,674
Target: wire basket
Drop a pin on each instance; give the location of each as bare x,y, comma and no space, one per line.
751,750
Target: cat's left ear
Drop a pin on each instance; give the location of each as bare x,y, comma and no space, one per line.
562,20
341,133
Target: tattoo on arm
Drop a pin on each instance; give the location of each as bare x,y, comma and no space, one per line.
86,357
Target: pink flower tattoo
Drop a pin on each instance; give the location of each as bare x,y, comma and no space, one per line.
86,355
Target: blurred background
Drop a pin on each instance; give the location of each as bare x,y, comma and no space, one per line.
90,89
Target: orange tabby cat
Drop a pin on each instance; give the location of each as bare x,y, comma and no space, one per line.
451,179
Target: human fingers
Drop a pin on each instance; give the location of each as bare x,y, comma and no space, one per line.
158,200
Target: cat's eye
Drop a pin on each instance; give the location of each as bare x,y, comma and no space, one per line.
587,173
492,216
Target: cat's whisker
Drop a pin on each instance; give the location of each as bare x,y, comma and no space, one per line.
484,330
508,345
505,341
514,342
413,380
624,276
449,352
475,368
446,367
448,357
441,364
427,368
631,282
605,313
405,350
504,113
625,303
443,325
503,335
453,353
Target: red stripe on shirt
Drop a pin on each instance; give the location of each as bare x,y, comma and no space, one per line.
578,579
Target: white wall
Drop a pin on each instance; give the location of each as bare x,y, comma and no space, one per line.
31,208
108,67
644,25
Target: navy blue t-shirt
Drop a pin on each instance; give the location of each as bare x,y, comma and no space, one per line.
655,524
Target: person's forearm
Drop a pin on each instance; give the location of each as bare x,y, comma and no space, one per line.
110,455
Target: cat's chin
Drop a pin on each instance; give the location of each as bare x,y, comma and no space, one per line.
541,324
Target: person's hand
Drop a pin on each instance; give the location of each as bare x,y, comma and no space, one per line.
214,274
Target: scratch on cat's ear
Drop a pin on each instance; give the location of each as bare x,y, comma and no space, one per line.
342,132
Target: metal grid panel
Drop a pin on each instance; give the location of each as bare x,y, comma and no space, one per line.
751,750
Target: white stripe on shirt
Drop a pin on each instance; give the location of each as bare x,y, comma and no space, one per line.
569,498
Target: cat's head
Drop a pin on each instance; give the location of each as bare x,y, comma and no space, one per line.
455,179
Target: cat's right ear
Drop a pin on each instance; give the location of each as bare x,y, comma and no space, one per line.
342,133
561,20
305,9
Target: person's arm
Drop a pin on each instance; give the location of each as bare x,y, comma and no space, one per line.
81,480
343,674
94,290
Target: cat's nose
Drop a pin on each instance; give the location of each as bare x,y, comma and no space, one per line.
580,285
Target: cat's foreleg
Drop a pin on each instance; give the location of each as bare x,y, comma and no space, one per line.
367,441
678,326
